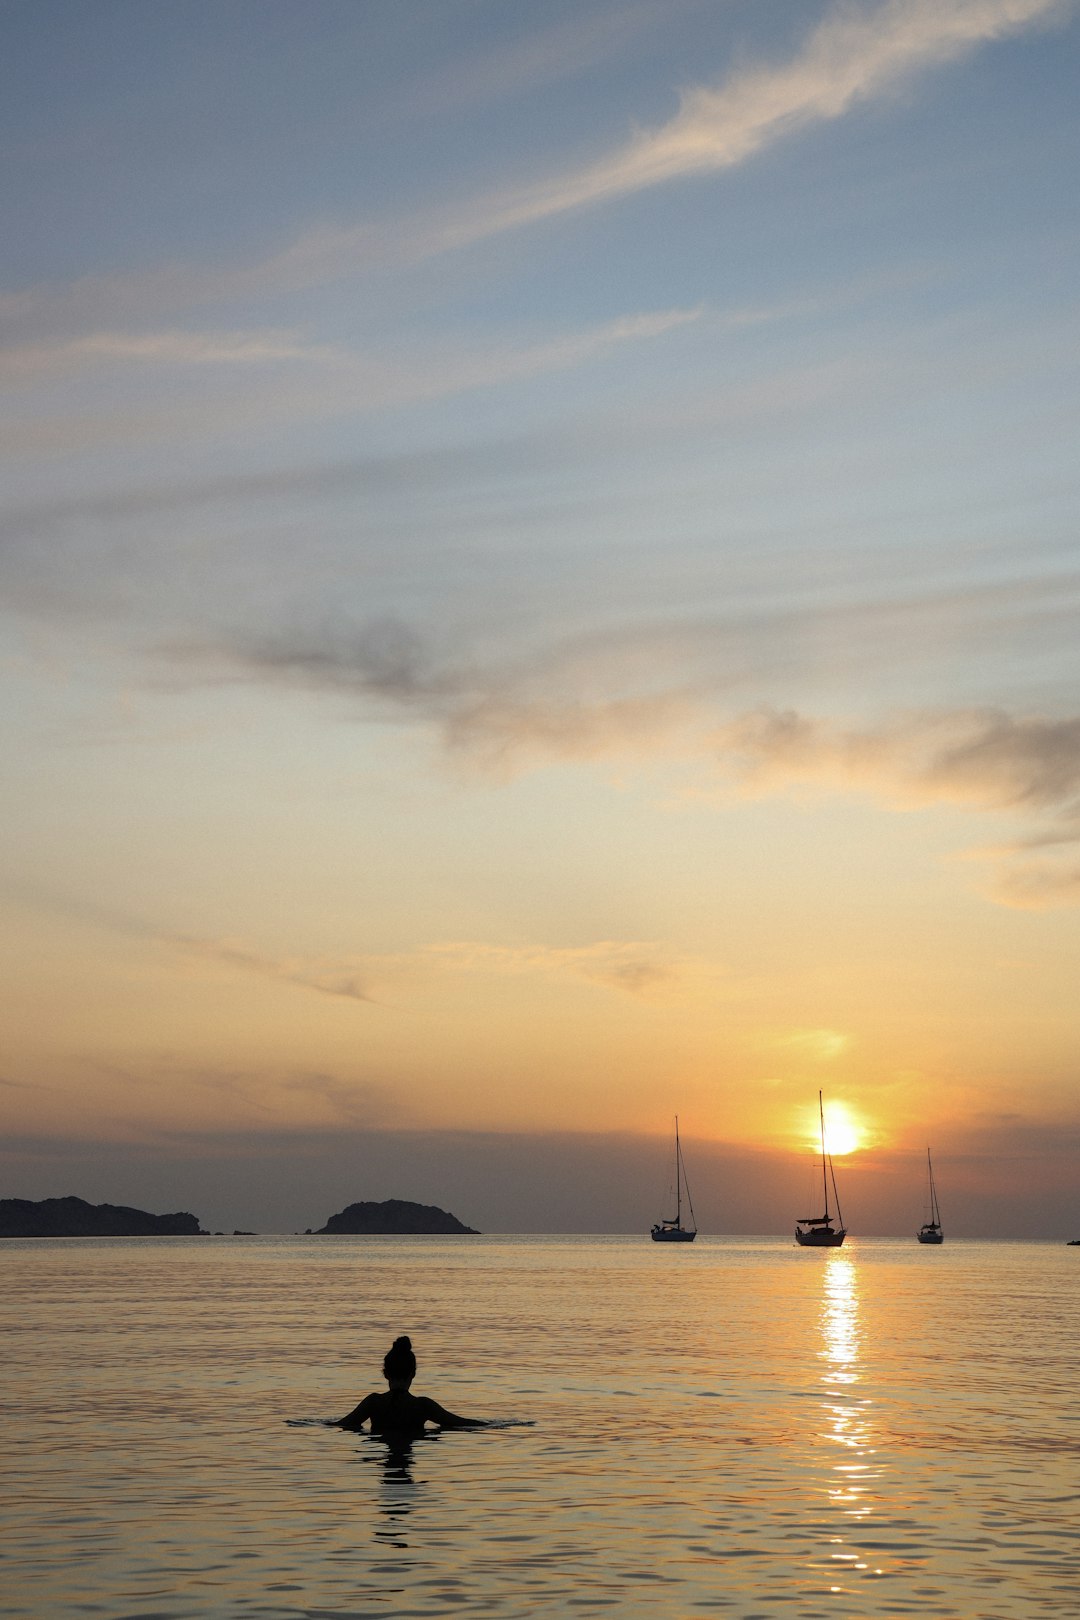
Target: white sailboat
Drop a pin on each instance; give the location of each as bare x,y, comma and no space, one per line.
930,1231
817,1231
673,1231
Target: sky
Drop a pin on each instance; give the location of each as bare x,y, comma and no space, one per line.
538,593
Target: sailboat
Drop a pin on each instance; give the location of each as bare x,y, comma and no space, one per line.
930,1231
817,1231
674,1231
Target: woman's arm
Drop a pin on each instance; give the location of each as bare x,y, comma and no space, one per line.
448,1420
356,1417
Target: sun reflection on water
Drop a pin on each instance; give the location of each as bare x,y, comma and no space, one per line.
848,1430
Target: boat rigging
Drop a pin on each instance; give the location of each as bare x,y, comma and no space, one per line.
930,1231
817,1231
673,1231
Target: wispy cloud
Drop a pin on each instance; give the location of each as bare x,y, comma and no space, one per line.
855,54
1024,766
498,713
501,733
984,760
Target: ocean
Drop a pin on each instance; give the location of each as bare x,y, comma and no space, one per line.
735,1427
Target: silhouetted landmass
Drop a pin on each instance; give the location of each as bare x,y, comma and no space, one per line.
74,1217
395,1217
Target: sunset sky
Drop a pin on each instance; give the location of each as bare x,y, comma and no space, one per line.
539,592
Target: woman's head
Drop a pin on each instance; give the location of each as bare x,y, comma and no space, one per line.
399,1363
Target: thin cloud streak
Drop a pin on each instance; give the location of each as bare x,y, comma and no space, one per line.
316,381
334,980
634,967
32,363
340,978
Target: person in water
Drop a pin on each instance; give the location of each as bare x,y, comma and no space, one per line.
396,1411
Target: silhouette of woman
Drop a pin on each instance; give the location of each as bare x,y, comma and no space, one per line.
396,1413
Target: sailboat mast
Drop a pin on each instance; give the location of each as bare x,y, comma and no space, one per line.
933,1190
678,1177
824,1177
836,1195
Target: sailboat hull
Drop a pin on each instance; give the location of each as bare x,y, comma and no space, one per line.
930,1235
819,1237
672,1234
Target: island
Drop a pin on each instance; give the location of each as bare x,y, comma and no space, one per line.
74,1217
395,1217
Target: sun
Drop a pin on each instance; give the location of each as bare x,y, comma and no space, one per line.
843,1134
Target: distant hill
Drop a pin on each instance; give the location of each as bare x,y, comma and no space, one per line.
73,1217
396,1217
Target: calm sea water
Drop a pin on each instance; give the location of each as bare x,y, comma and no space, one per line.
738,1428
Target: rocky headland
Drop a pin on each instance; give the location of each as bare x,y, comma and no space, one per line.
73,1217
395,1217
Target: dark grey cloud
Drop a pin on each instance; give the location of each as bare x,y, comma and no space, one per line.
649,637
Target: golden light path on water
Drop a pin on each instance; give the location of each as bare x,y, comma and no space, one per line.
848,1414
